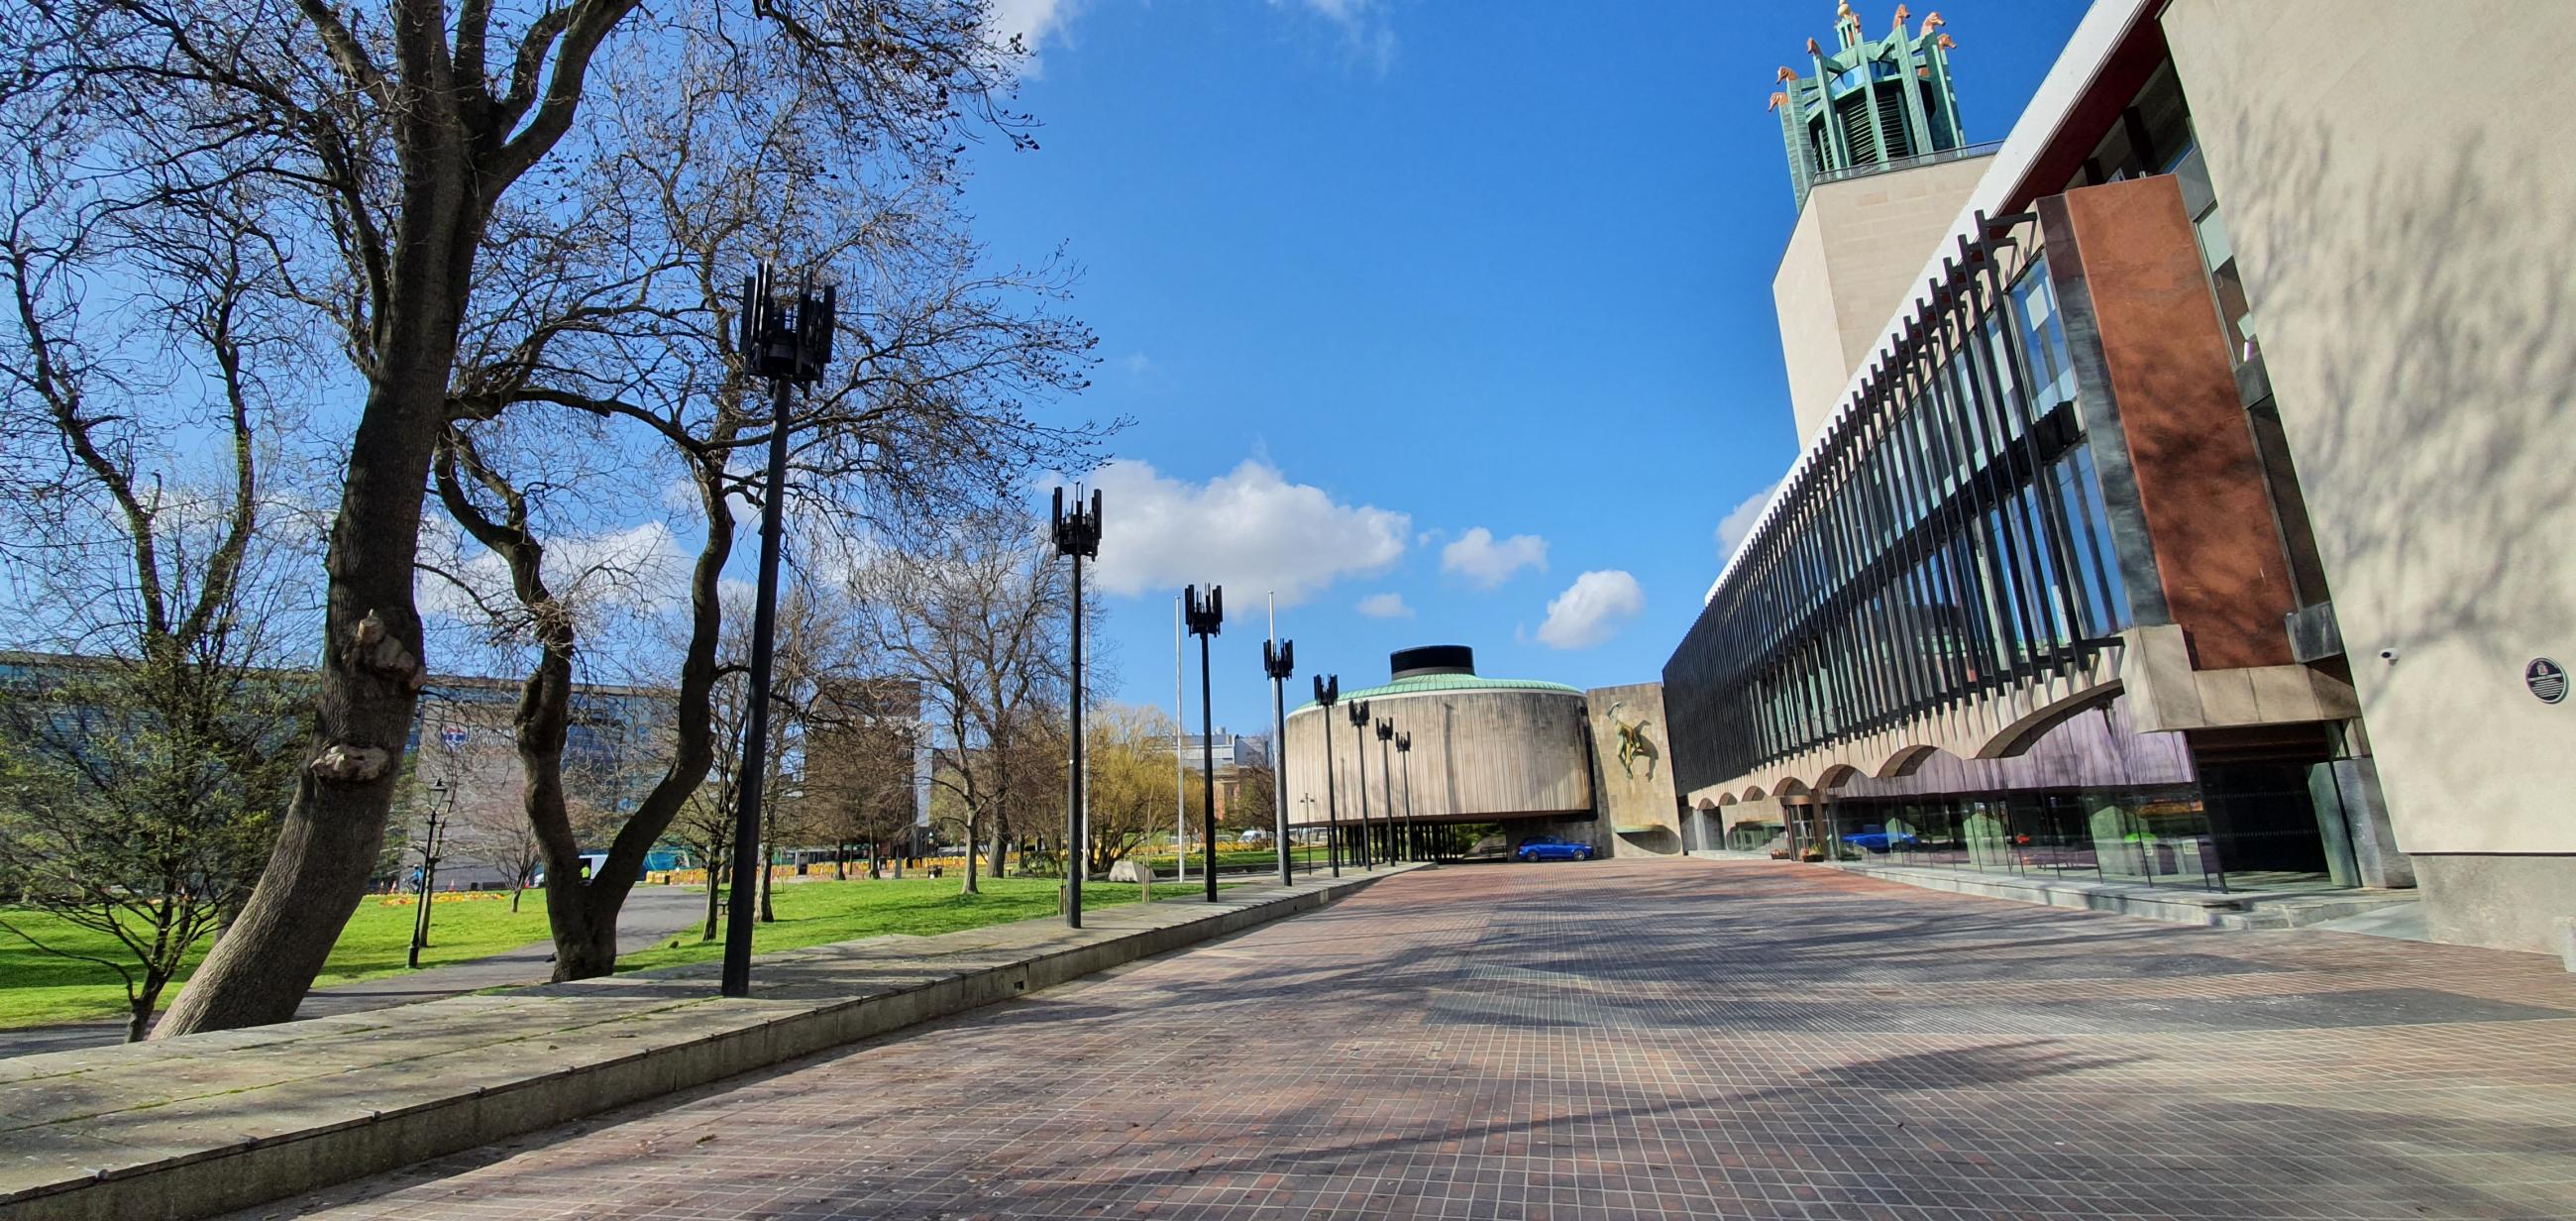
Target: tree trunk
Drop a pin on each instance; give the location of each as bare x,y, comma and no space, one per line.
974,830
768,869
370,677
714,890
138,1021
516,889
372,653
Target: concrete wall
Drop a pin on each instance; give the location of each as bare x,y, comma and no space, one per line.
1850,264
1638,813
2408,245
1477,755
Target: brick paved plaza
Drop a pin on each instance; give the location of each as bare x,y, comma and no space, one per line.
1666,1039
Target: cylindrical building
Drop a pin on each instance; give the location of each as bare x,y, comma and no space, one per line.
1484,749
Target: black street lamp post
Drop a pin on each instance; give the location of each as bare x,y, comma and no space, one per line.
1328,691
1386,780
1359,736
442,799
1279,661
1077,535
1205,620
1404,752
786,343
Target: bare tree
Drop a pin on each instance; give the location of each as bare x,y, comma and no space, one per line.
859,766
409,142
925,413
705,826
976,616
149,768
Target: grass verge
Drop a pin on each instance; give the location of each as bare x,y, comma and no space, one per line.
38,987
819,913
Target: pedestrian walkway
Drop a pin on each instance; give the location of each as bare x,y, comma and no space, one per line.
1680,1039
182,1127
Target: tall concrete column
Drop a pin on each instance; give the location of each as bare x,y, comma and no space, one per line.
2352,817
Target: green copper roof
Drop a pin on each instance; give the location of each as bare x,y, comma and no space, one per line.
1448,682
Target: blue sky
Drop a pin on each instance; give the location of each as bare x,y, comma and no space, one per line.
1371,275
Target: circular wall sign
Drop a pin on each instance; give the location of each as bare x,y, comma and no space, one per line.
2547,679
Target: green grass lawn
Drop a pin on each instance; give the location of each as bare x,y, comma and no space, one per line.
37,987
818,913
1235,858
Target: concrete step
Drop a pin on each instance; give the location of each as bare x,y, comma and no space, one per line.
2233,910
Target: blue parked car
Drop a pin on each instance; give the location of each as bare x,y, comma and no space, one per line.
1551,848
1875,838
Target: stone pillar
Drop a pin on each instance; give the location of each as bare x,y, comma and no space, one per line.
2353,819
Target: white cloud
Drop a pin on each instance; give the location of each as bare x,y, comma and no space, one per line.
1033,22
1739,521
1385,606
1591,610
1250,529
1137,364
1365,31
631,568
1487,563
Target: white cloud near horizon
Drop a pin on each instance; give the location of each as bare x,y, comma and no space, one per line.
1385,606
1591,610
1739,521
1249,529
1486,563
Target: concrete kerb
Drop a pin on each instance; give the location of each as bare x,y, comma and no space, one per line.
229,1149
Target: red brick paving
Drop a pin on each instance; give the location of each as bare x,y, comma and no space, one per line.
1665,1039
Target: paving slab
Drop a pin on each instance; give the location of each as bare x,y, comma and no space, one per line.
188,1126
1669,1039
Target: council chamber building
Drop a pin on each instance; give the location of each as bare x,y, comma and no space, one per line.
2184,493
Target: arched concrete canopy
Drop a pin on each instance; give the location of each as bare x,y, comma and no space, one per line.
1905,761
2017,735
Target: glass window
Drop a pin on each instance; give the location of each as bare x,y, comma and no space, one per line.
2050,370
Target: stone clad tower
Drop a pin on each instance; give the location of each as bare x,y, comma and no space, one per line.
1881,166
1868,103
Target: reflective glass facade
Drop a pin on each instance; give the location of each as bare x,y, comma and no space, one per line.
1948,538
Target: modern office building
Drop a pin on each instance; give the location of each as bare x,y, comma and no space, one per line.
2190,505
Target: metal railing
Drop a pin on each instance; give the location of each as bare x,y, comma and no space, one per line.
1935,157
